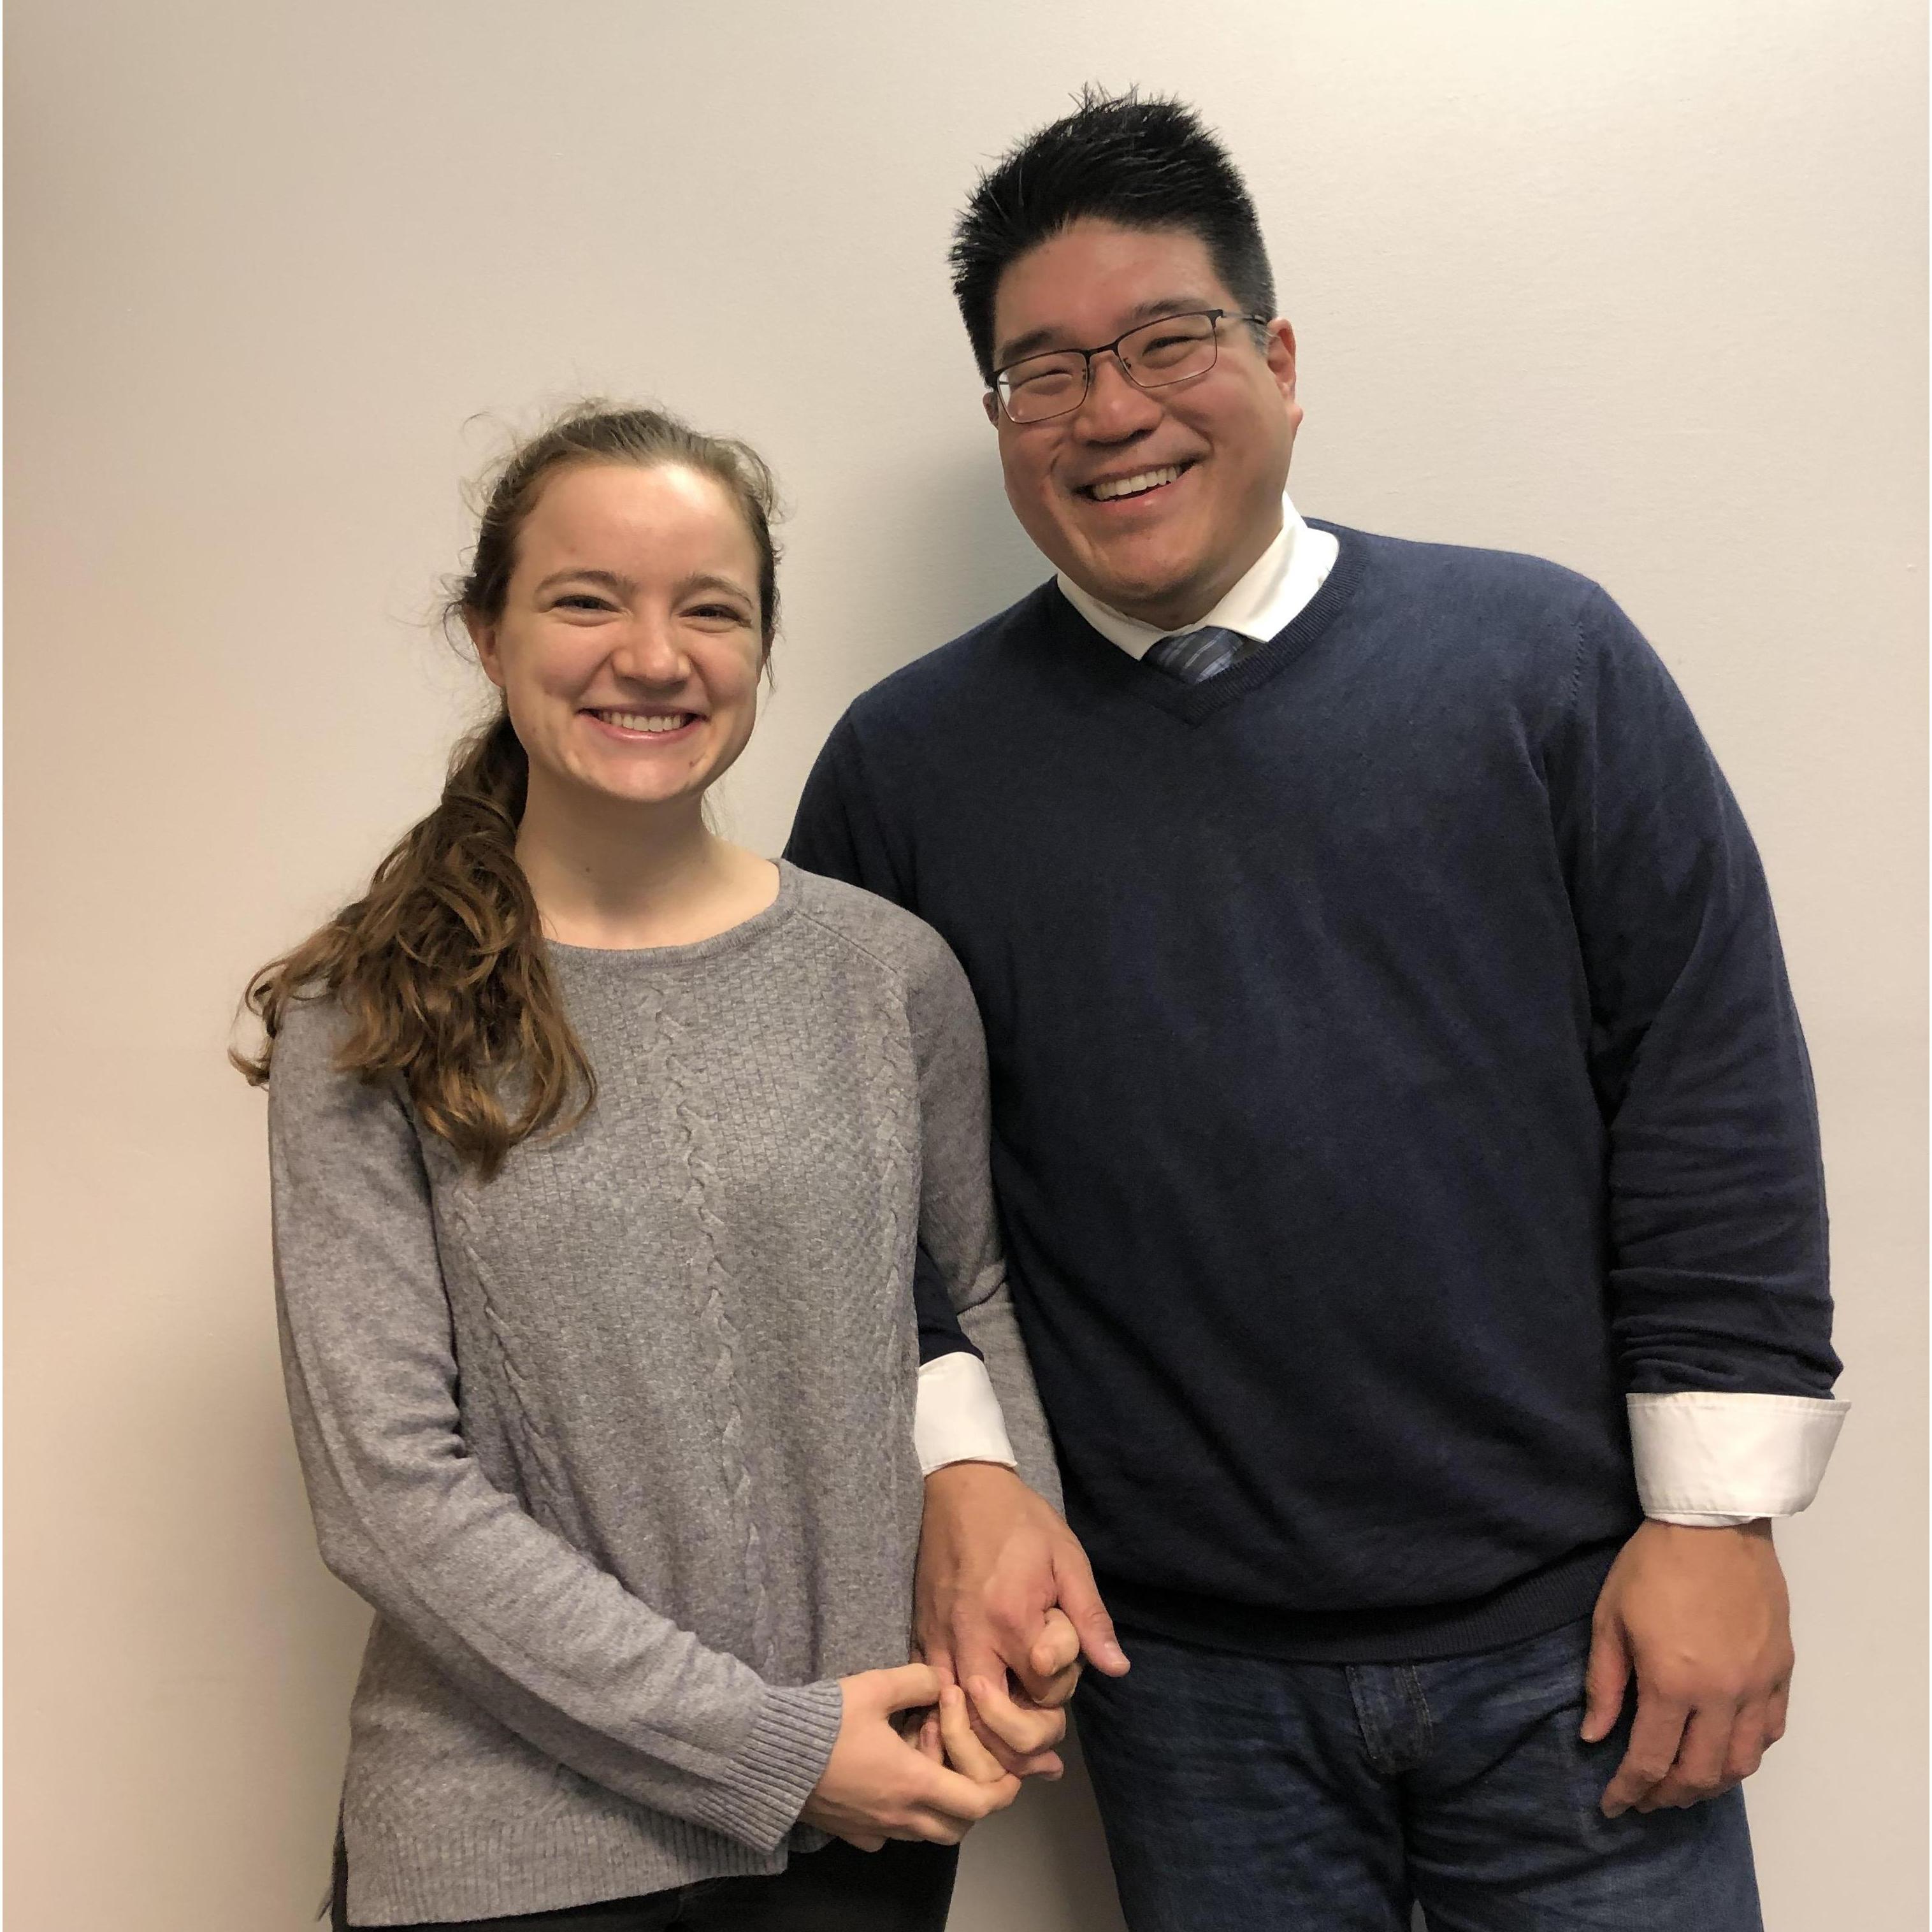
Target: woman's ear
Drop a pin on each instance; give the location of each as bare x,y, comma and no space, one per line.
483,639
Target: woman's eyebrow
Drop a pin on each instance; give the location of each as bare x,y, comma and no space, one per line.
609,579
705,581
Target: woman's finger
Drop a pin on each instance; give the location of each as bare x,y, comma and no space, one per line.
1023,1731
951,1796
904,1688
964,1751
1053,1664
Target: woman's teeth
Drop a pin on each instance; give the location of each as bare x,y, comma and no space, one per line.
1133,486
645,721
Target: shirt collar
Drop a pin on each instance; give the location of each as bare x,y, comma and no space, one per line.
1260,605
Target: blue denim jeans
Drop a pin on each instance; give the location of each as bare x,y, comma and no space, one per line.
1244,1794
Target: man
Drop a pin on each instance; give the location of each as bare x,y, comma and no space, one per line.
1402,1133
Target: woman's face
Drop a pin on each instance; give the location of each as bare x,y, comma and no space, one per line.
630,642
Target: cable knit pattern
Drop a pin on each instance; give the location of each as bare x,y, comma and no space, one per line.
529,1413
713,1313
891,1078
619,1444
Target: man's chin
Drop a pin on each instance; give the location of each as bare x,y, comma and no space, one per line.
1164,600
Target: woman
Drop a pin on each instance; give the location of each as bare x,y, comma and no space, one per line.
602,1149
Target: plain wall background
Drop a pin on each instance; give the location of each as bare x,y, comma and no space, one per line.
1639,286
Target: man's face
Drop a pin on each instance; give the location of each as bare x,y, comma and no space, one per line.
1168,554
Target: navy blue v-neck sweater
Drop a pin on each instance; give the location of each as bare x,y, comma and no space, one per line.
1393,1065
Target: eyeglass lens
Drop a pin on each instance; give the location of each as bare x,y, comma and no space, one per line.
1169,350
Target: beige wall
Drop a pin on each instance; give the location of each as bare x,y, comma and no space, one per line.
1637,286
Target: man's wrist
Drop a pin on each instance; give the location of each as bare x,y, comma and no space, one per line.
1759,1526
970,1470
1711,1521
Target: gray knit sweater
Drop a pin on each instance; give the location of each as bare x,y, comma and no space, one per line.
619,1444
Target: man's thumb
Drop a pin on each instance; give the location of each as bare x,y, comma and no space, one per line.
1604,1677
1081,1601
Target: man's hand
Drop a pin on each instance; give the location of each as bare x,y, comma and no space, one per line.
876,1786
994,1560
1701,1617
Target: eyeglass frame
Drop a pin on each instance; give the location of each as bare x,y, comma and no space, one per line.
1218,315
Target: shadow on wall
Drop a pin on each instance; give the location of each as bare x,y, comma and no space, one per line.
1041,1866
962,556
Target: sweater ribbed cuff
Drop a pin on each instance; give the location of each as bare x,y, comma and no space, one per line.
758,1799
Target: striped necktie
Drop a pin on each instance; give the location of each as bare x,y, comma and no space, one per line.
1195,656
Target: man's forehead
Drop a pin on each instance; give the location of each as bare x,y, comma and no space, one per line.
1098,276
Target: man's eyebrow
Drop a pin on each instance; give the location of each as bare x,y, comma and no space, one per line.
1035,340
608,579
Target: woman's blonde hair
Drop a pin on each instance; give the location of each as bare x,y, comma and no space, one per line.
439,966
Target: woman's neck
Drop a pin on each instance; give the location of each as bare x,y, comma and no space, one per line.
622,877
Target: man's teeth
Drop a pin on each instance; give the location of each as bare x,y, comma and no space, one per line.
1133,486
645,721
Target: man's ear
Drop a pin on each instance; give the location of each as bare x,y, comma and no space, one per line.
1281,356
990,403
483,640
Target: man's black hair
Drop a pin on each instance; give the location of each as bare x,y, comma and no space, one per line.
1141,163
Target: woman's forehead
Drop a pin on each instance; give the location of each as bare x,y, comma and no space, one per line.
665,512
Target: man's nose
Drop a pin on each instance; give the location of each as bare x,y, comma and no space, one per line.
1114,406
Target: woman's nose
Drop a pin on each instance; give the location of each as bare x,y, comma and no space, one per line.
651,653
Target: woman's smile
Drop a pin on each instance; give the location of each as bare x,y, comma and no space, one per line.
638,727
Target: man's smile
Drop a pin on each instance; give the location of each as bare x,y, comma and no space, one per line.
1131,484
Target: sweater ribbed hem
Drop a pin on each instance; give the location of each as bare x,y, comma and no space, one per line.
564,1856
498,1868
1557,1594
758,1799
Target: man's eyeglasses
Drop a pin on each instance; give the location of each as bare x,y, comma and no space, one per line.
1176,349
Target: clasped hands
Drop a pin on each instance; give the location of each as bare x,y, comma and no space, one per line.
1005,1609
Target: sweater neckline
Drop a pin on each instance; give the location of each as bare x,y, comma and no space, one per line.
1195,703
733,939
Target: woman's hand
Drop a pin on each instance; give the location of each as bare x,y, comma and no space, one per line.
876,1786
949,1735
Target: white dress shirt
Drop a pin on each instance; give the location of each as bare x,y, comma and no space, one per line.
1708,1459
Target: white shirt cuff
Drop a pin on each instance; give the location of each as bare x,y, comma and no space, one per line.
1706,1458
956,1418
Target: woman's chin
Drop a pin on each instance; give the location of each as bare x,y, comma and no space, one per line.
637,791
